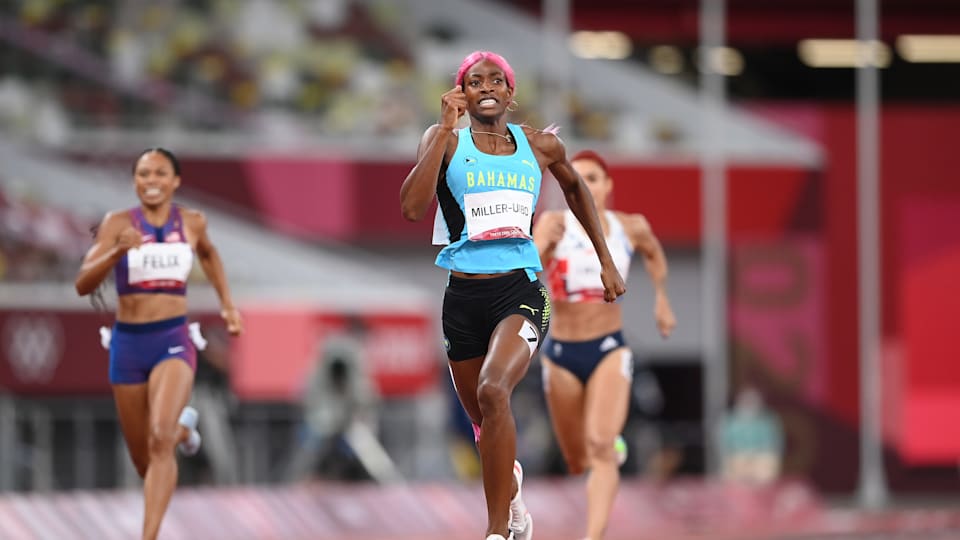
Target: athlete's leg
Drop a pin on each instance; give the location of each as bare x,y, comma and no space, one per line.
507,361
607,401
466,378
131,401
169,391
565,401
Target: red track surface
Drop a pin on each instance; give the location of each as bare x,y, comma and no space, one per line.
676,511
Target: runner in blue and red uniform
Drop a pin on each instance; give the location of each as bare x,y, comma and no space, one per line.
486,179
151,249
587,365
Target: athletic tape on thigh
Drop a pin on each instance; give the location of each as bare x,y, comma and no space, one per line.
626,364
530,335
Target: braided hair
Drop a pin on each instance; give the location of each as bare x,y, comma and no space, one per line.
97,298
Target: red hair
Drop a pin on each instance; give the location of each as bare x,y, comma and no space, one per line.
592,156
479,56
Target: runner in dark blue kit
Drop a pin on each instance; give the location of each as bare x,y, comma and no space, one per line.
486,179
587,365
151,249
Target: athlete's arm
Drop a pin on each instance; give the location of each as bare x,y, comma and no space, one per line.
655,262
547,233
213,268
115,236
420,186
552,154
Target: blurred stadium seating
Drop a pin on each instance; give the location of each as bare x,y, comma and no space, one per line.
38,242
106,76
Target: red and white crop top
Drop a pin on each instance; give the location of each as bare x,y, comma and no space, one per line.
574,272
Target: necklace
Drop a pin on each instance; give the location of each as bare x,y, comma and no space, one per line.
508,137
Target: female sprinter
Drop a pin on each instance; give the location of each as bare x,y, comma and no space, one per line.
150,249
587,366
486,178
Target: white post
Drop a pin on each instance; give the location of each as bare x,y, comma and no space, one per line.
872,491
556,61
714,228
556,85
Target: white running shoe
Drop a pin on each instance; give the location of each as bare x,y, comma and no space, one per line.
620,448
521,522
495,537
188,419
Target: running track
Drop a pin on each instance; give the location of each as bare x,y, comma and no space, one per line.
676,511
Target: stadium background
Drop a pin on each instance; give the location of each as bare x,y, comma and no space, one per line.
296,121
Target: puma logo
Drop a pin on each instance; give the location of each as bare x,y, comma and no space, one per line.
533,311
527,162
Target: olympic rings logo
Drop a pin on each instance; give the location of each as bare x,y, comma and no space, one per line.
33,344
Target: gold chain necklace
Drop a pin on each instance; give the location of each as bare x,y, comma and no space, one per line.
508,137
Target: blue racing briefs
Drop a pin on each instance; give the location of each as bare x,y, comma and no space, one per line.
581,357
135,349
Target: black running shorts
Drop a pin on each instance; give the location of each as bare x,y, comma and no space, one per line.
472,308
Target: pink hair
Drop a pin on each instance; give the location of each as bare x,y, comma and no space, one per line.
479,56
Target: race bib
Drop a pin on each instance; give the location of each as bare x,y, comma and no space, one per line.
493,215
159,264
583,272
